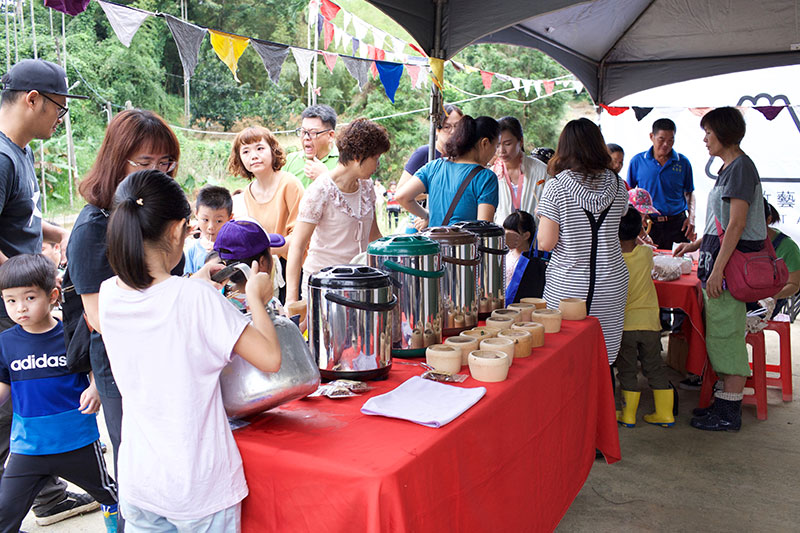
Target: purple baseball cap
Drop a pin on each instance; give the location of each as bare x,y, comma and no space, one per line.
244,238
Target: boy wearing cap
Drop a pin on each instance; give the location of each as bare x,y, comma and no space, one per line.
243,241
32,105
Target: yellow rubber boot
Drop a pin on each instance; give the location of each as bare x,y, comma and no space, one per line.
663,416
627,417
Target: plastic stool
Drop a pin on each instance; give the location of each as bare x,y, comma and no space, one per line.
758,381
784,369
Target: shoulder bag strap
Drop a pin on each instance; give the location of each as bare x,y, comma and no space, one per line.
778,240
463,187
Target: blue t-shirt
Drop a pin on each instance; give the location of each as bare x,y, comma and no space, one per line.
666,184
195,257
45,394
419,158
442,179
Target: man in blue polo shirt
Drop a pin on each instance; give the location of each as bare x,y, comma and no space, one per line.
667,176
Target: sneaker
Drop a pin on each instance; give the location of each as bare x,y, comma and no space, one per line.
692,382
72,505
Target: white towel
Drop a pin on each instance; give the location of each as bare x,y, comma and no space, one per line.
424,402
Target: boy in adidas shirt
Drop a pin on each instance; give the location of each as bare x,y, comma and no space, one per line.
54,430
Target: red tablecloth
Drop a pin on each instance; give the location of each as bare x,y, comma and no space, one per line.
686,293
513,462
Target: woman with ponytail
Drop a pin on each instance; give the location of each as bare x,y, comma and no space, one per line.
135,139
168,339
468,151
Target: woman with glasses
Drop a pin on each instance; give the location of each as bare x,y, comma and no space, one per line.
521,177
470,148
135,140
337,221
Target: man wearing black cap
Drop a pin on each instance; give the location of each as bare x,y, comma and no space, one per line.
32,105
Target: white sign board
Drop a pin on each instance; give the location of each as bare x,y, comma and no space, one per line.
773,145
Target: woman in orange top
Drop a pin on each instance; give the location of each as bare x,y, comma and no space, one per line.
273,196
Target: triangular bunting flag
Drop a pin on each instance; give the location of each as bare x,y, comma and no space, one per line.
470,69
330,60
502,77
320,23
303,59
346,18
516,82
413,73
70,7
361,28
398,45
577,85
124,20
613,110
537,85
188,39
390,74
338,36
328,9
526,85
372,55
437,69
379,36
699,111
363,50
456,65
356,45
272,55
486,78
328,31
357,68
418,49
641,112
313,11
548,86
229,48
769,111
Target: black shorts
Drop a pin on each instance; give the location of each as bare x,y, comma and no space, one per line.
25,476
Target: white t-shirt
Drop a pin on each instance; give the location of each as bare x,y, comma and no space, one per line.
167,346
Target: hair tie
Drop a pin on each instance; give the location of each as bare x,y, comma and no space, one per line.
139,201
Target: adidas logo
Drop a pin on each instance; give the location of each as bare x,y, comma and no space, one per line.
32,362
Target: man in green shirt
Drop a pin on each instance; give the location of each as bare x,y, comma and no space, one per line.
319,154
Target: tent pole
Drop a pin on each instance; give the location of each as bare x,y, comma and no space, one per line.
436,96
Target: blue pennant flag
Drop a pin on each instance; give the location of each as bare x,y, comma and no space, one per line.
390,74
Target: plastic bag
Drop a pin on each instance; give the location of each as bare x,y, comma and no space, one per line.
666,268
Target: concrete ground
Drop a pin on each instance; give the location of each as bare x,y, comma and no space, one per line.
683,479
676,479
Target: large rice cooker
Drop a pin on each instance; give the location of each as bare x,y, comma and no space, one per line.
415,265
492,269
350,322
459,285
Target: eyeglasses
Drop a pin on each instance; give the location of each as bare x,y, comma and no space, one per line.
447,127
167,165
311,134
61,109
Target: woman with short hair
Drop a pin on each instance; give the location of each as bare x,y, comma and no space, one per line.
736,201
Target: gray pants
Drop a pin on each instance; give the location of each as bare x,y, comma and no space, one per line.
644,346
112,412
54,490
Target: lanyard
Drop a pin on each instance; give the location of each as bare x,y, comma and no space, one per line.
516,197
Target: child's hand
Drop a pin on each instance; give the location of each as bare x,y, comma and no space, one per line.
90,400
259,286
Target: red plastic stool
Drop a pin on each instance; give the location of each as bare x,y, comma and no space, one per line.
758,381
784,369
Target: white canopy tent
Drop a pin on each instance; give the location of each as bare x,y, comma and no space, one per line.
615,47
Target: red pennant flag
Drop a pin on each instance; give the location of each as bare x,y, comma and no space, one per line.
372,54
317,90
486,77
548,86
328,9
328,29
413,73
380,54
418,49
613,111
330,60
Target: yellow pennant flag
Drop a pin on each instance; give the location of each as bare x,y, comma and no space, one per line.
437,69
229,48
